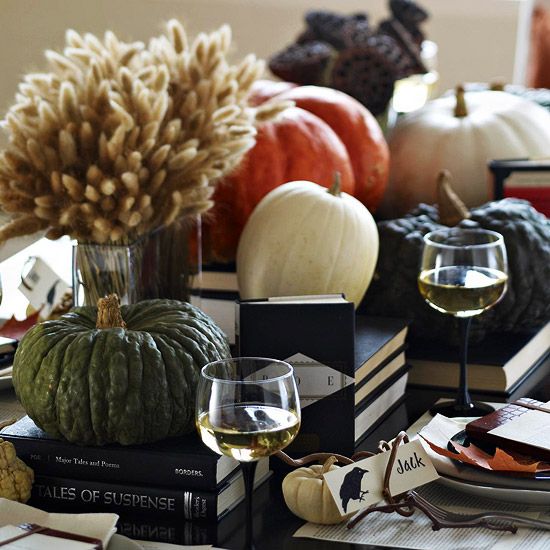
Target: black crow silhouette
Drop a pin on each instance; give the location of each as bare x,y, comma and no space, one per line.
351,487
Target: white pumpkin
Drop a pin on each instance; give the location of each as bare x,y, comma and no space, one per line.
307,495
494,125
304,239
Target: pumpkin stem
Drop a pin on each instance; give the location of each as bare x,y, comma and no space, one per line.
497,86
451,208
461,110
335,188
108,313
329,463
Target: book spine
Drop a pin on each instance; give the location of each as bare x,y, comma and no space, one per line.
75,494
56,458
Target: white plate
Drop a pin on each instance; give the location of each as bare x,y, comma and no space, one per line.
120,542
506,494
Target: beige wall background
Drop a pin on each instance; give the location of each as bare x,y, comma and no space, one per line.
477,38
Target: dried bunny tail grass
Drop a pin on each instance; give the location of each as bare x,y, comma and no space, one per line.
25,225
272,109
119,138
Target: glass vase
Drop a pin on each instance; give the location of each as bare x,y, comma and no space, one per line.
165,263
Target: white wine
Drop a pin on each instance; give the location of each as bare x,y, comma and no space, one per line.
462,291
248,432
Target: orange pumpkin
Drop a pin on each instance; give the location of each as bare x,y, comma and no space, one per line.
327,132
358,130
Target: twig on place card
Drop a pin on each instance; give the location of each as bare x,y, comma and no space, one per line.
403,458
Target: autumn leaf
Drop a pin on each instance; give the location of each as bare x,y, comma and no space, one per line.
475,457
500,462
13,328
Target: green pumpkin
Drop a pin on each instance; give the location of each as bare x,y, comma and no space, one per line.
526,304
131,381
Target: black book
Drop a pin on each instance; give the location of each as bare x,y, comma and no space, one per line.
190,505
376,340
181,462
317,336
496,365
223,533
380,404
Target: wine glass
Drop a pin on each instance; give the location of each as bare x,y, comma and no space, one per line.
463,273
247,408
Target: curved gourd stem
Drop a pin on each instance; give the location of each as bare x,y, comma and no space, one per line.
108,313
328,464
461,110
451,208
315,457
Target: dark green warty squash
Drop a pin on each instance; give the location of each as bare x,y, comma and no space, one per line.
131,379
526,304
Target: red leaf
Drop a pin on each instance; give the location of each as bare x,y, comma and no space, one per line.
13,328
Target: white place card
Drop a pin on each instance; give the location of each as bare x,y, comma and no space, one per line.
532,428
42,286
360,484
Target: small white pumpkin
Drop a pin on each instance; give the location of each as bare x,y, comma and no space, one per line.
307,495
304,239
461,134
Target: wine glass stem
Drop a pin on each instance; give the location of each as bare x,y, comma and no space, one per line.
463,399
248,469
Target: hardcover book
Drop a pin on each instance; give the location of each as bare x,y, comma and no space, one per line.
189,505
496,365
224,533
182,462
380,404
317,336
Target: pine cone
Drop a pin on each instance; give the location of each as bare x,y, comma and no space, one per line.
302,63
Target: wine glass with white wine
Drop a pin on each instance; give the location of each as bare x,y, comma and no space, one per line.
247,408
464,272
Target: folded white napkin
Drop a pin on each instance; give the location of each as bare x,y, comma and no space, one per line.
440,430
98,526
6,371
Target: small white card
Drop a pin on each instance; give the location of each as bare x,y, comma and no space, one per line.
532,427
360,484
42,286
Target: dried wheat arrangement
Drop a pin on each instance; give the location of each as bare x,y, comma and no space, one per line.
119,138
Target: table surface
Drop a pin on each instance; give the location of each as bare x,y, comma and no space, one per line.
275,524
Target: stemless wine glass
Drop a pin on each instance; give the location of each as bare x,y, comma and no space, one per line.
247,408
463,273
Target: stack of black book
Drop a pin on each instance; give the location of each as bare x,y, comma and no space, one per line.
216,293
178,478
